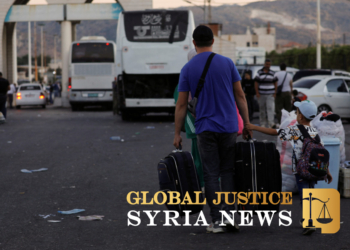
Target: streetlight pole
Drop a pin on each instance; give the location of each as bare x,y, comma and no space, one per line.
203,8
45,50
42,47
209,18
318,59
35,55
54,52
29,52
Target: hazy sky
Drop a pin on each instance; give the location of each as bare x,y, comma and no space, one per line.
171,3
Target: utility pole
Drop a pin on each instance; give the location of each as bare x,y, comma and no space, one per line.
54,52
29,52
318,59
209,4
35,55
45,64
203,8
204,18
42,48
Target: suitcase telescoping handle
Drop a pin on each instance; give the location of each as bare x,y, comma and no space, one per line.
250,139
179,149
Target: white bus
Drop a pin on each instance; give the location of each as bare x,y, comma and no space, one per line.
152,47
91,72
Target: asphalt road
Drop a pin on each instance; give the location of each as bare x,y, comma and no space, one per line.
87,170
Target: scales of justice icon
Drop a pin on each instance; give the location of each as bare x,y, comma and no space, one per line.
323,220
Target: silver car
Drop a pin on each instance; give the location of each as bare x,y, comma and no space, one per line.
329,93
30,95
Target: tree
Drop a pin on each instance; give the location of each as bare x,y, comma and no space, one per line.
23,60
336,58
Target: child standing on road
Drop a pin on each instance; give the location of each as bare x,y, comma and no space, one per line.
306,111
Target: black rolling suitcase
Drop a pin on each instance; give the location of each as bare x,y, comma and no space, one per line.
258,169
177,172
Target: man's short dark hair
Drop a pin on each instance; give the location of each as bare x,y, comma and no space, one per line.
267,60
249,72
201,44
283,66
0,74
295,92
203,36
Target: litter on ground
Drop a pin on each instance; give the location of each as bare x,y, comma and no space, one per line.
34,170
73,211
90,217
115,138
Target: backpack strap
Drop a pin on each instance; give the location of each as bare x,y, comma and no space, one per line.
305,134
303,131
204,74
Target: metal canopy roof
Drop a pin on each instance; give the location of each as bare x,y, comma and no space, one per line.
62,12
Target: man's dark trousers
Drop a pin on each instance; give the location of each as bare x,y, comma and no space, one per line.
217,155
283,101
3,100
250,102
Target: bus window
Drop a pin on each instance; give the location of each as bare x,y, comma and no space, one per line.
149,26
92,53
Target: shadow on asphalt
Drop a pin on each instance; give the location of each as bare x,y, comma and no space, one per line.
95,108
154,117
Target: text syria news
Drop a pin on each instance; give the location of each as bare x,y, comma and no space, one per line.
242,198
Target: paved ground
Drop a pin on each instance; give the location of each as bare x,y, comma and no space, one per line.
88,170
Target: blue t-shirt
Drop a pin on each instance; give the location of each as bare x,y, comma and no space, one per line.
216,107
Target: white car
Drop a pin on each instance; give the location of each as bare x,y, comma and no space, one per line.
30,95
329,93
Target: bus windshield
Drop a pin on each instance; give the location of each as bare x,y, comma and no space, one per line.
156,26
92,53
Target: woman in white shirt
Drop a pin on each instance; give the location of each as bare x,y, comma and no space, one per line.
10,94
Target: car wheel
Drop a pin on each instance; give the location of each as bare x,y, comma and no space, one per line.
43,106
18,107
323,108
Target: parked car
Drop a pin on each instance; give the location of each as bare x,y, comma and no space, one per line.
330,93
312,72
30,95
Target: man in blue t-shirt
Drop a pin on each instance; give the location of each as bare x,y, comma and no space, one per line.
216,118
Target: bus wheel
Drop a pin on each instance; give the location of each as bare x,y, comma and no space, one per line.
74,107
126,116
109,106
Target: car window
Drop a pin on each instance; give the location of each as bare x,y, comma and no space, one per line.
306,83
336,85
348,83
30,88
